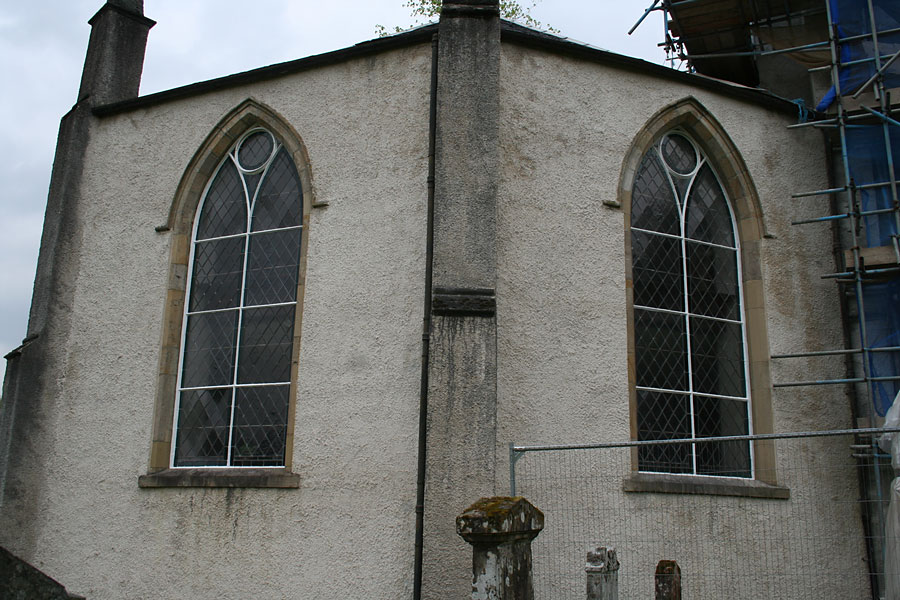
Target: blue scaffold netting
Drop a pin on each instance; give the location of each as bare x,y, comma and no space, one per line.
857,64
868,159
871,150
882,304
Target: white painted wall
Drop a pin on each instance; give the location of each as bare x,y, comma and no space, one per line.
348,530
562,370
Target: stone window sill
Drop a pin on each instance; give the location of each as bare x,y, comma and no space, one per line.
662,483
220,478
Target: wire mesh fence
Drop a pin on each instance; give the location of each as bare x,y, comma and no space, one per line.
800,528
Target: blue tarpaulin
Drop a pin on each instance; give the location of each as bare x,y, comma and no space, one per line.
868,159
882,304
852,19
869,155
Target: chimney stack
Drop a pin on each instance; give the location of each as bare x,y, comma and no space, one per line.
115,55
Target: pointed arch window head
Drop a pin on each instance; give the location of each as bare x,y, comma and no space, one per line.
691,372
235,370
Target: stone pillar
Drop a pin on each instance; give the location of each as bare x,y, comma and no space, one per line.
602,570
668,580
500,530
462,374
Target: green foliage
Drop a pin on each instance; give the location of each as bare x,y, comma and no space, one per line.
424,11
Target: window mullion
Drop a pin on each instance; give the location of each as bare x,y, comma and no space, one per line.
240,319
262,178
687,323
184,321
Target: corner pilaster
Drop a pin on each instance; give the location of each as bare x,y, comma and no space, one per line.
112,72
462,392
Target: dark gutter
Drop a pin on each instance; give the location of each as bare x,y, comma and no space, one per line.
420,35
523,36
426,331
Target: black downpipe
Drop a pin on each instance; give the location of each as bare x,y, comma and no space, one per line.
426,331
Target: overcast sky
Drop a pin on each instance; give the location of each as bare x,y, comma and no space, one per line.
42,47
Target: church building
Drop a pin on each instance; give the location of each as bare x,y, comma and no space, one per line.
287,323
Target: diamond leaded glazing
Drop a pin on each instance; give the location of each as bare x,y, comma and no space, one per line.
689,333
235,373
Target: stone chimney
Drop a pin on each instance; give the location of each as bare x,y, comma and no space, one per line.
115,55
112,72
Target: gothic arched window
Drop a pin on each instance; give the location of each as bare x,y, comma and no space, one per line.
235,368
691,372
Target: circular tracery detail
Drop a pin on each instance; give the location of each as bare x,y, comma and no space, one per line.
255,150
679,154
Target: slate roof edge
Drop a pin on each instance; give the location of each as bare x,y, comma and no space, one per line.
524,36
420,35
510,33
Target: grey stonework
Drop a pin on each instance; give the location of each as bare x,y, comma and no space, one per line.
500,530
115,55
667,581
462,393
21,581
112,72
602,570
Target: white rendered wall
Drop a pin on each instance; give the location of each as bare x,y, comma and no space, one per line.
567,125
348,530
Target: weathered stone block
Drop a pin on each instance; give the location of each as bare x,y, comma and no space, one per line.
500,530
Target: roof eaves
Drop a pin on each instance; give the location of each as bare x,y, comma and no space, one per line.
524,36
405,39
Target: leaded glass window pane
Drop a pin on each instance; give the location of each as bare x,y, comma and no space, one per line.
209,343
260,426
712,281
653,205
217,273
679,154
657,270
708,218
664,417
660,350
203,427
235,373
265,355
722,417
255,149
272,267
689,333
273,207
224,207
717,356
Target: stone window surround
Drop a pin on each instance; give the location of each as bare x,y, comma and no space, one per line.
691,116
248,115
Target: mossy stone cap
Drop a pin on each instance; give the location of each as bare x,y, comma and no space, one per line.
475,2
135,6
499,517
488,8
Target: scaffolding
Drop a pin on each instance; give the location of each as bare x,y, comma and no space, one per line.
851,50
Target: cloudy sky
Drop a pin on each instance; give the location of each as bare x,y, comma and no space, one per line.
42,46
